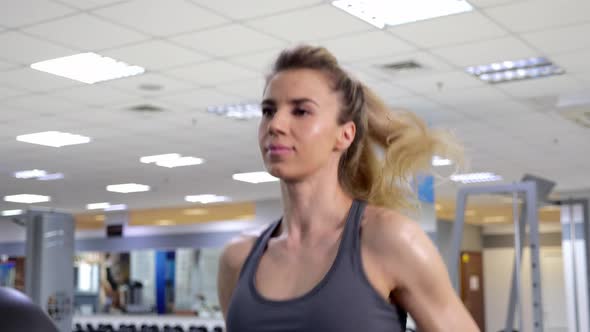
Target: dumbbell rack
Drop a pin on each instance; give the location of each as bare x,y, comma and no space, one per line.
145,323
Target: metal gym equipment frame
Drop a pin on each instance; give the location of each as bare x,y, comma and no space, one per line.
534,189
570,203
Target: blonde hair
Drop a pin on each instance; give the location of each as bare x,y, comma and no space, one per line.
408,145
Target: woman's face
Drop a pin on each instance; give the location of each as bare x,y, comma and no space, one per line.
299,133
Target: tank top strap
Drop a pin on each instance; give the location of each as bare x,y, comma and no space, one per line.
259,247
356,215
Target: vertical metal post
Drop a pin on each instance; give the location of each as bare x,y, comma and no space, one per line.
457,239
517,263
532,220
586,225
572,231
514,290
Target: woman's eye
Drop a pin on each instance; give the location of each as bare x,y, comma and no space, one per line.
300,112
267,111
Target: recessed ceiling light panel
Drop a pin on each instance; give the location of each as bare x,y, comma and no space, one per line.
27,199
254,177
88,68
476,177
522,69
126,188
54,139
381,13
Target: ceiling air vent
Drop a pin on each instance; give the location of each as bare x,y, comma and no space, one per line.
402,67
146,108
579,115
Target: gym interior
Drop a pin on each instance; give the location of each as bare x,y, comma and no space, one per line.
131,160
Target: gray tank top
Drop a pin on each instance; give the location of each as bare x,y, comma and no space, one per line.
342,301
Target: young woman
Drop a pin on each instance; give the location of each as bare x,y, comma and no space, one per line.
341,258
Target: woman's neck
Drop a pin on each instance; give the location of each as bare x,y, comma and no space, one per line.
313,207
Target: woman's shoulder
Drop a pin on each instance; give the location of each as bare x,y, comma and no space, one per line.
389,232
236,250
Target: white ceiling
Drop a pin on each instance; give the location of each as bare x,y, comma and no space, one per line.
206,53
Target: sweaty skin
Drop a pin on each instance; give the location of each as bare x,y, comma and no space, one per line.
301,143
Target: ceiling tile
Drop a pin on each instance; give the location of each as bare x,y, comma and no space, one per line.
485,52
415,104
573,62
34,80
549,86
10,92
440,81
245,9
132,85
155,55
94,95
387,91
449,30
540,14
90,4
500,110
212,73
259,61
200,99
364,74
472,97
6,66
428,63
560,39
86,32
43,104
208,42
24,12
20,48
161,18
365,45
311,24
250,89
490,3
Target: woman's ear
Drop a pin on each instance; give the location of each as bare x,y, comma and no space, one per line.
346,136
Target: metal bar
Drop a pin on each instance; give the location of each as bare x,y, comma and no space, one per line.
514,284
457,239
532,220
497,189
572,229
586,223
517,260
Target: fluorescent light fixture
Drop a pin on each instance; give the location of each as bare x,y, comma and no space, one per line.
96,206
171,160
254,177
126,188
195,212
476,177
494,219
30,174
237,111
516,70
88,68
53,138
116,207
10,213
395,12
159,157
438,161
165,222
51,177
182,161
205,199
38,174
25,198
